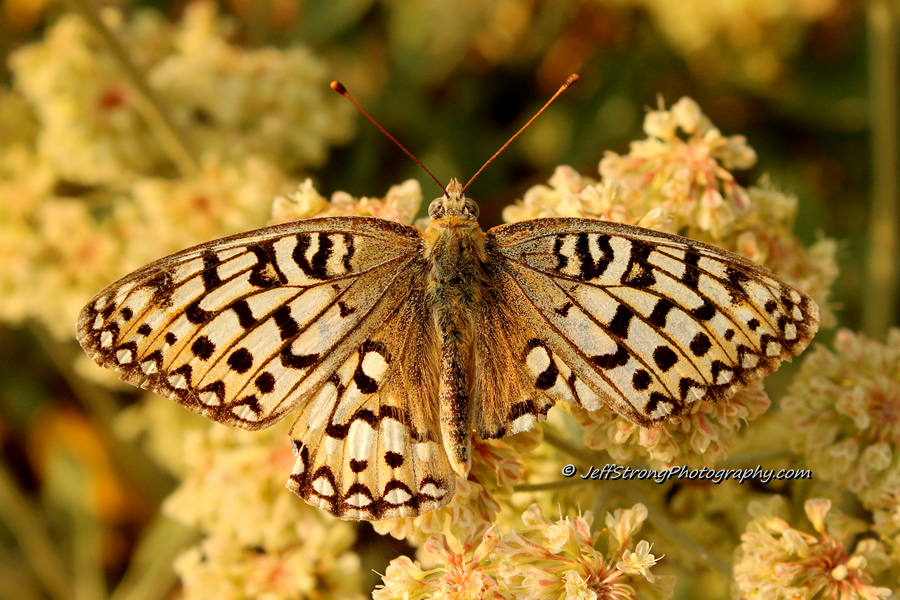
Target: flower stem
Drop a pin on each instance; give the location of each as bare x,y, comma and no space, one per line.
658,518
880,300
572,450
23,522
148,103
150,575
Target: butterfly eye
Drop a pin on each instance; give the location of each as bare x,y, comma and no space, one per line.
470,209
436,209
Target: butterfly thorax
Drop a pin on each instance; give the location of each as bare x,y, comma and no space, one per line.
456,257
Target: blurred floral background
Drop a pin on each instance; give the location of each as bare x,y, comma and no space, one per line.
131,130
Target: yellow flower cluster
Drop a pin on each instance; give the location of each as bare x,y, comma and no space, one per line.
844,406
89,192
261,541
542,559
778,561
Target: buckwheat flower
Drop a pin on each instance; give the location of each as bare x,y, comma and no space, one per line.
219,567
778,561
844,406
459,573
258,533
570,194
92,131
639,561
546,559
236,102
401,203
167,215
684,168
704,436
735,39
160,428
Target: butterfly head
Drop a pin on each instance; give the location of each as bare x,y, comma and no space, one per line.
453,204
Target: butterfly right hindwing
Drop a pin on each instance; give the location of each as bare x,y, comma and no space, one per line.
369,443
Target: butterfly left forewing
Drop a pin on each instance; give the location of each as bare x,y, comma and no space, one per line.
241,329
648,322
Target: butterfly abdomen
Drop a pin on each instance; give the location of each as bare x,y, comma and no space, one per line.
454,248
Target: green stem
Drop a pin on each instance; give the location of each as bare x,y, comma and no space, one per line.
149,104
880,300
658,517
550,485
26,526
150,575
754,458
577,452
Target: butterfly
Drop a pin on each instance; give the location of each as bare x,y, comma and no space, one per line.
393,346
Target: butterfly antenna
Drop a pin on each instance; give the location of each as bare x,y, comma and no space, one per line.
571,80
340,89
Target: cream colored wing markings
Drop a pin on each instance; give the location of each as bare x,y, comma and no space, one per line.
368,444
242,328
649,321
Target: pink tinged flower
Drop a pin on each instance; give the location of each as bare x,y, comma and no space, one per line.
577,588
625,522
816,509
402,579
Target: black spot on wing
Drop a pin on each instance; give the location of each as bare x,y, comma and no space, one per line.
564,309
245,316
691,276
210,274
393,459
265,273
665,358
203,347
240,360
701,344
705,311
639,273
196,315
590,268
660,310
315,267
641,380
265,382
287,326
297,361
345,310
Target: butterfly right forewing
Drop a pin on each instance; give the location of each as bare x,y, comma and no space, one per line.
647,323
